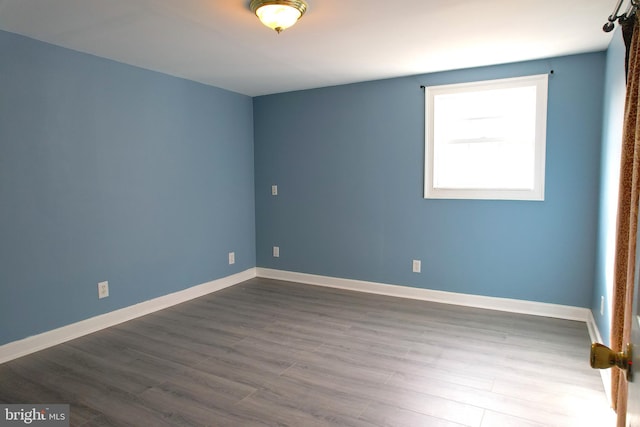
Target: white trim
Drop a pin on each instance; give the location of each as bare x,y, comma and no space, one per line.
478,301
594,334
433,191
28,345
592,326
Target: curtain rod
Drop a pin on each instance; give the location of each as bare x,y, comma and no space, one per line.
631,10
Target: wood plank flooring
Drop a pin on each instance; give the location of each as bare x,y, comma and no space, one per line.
270,353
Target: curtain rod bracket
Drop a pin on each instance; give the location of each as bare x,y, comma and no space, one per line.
631,10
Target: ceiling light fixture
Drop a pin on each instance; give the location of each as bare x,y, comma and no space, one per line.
278,14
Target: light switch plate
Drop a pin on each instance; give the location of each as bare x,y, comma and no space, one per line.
417,266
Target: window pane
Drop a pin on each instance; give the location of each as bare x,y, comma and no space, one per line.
485,139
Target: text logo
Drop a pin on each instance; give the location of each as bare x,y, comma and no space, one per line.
34,415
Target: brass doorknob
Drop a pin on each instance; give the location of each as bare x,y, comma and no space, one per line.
602,357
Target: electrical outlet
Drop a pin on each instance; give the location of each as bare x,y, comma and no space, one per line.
417,265
276,251
602,305
232,258
103,290
274,190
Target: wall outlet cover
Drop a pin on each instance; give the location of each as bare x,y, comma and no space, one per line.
103,290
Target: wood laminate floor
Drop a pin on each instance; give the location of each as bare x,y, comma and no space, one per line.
270,353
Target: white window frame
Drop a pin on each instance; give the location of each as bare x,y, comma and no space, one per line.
540,82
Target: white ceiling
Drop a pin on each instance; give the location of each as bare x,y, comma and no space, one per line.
221,43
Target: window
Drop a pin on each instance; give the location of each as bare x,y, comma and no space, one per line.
486,140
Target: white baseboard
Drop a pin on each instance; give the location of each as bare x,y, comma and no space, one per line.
28,345
478,301
594,334
594,331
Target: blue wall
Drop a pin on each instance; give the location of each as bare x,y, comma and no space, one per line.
613,117
348,162
110,172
